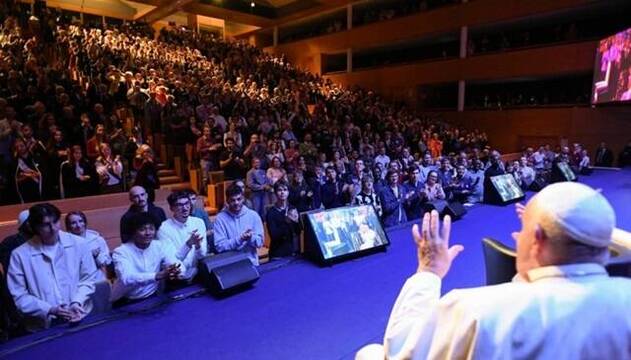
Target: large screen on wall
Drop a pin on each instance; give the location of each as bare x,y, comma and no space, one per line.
345,231
612,70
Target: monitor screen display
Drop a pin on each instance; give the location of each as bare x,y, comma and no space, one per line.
612,70
567,171
507,187
347,230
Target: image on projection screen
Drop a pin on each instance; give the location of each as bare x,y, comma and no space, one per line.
612,70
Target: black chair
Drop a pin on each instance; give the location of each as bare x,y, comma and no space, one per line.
499,261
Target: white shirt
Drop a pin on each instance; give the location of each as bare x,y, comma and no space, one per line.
136,269
40,278
383,160
566,312
176,234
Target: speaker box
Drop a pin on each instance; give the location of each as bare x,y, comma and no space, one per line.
227,272
455,210
538,184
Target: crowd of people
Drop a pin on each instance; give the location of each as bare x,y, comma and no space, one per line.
77,112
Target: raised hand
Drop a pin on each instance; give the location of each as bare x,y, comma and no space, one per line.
434,253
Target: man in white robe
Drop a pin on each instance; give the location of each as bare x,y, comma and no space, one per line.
561,305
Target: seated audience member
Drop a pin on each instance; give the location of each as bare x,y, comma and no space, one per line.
257,182
461,185
184,234
51,276
77,224
237,228
139,204
393,198
301,194
231,161
110,170
331,191
198,210
147,175
78,175
283,224
561,288
414,186
142,263
28,178
368,196
433,189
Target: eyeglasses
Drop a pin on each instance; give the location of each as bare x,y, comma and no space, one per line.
182,204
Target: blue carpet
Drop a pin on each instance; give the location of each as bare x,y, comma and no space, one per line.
298,310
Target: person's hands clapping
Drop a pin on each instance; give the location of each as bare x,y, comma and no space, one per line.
194,240
62,312
434,253
247,235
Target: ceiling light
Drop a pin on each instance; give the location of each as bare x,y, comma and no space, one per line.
252,4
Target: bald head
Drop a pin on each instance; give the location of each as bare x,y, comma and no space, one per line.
138,197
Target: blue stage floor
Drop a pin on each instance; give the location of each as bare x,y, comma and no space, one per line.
297,310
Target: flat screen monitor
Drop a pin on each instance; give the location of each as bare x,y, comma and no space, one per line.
566,173
343,232
612,70
507,188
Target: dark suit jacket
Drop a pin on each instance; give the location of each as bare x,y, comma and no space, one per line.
392,206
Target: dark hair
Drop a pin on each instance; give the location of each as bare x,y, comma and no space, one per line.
138,220
233,190
177,195
390,173
280,183
36,216
190,192
412,168
77,213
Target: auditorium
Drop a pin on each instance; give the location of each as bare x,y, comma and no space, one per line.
315,179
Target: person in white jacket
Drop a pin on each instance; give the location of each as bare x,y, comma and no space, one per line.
562,304
52,275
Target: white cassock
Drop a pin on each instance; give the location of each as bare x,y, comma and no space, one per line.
566,312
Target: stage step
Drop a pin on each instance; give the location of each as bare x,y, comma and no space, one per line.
176,186
166,180
166,172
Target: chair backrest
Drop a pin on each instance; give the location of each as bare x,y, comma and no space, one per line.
101,298
619,266
499,261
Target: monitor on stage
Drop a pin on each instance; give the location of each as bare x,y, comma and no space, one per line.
345,232
562,172
504,190
612,70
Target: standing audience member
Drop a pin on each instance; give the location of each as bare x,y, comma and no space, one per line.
142,263
331,191
51,276
139,204
147,175
184,234
231,161
78,175
561,287
368,196
393,199
604,155
198,210
238,228
283,224
26,175
258,184
414,187
77,224
433,190
300,192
